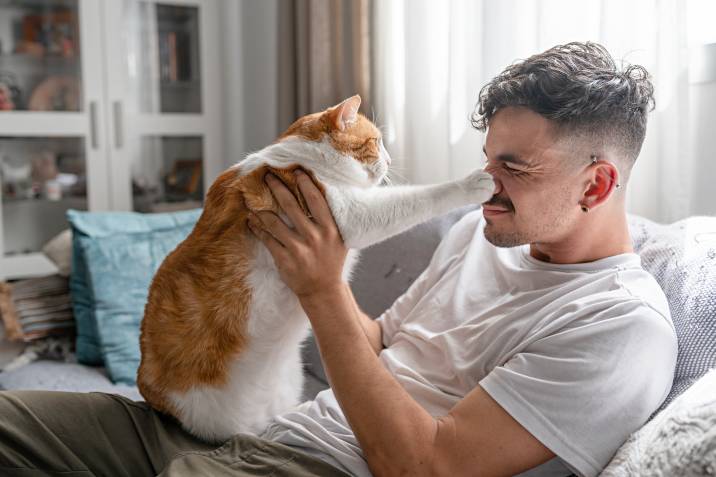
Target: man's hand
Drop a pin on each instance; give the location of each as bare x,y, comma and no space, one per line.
309,257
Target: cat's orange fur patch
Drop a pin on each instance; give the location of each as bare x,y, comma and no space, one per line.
360,140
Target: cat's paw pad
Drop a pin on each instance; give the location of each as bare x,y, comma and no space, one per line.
480,185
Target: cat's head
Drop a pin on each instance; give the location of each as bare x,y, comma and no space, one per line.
344,139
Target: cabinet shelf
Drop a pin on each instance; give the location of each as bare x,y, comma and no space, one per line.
14,61
43,123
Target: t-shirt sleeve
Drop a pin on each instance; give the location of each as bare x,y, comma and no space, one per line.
582,390
452,246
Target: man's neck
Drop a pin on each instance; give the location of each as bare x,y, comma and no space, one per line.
598,236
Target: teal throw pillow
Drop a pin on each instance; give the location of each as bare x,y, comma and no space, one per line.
122,229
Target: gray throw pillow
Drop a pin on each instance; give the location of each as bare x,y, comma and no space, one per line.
682,258
680,441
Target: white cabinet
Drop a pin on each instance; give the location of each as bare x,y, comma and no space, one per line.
104,105
164,101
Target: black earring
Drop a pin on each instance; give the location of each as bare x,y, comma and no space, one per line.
585,208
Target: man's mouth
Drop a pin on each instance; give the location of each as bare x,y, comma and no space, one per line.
490,211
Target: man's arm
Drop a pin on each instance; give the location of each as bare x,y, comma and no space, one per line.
398,437
372,330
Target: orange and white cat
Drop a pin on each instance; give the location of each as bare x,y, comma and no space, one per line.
221,333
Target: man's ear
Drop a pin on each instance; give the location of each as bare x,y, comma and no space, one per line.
345,113
602,183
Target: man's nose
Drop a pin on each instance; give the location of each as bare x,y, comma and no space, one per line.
498,185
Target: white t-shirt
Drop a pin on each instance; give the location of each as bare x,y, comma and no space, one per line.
580,354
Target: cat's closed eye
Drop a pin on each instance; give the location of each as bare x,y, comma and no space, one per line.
371,141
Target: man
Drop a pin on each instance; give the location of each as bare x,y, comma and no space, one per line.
533,343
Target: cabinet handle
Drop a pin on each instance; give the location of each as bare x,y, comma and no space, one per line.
94,141
118,132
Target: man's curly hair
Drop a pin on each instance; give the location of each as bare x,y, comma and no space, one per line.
579,87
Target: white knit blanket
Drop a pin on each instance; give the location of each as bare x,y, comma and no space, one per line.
679,441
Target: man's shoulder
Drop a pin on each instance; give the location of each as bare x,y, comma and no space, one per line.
621,301
627,317
638,284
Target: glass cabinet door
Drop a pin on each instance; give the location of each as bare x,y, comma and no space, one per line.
51,141
164,98
41,179
40,56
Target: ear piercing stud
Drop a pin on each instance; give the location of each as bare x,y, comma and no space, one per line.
594,158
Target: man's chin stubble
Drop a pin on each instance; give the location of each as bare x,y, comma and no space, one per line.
504,240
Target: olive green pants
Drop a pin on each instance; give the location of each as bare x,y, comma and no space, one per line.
44,433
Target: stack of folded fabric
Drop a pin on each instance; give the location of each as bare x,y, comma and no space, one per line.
36,308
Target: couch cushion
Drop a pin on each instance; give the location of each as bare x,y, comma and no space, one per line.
682,258
54,376
681,440
59,376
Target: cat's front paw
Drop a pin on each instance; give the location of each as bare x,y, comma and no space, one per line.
479,185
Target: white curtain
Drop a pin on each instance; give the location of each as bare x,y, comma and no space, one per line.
432,57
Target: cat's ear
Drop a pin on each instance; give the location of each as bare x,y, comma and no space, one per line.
345,113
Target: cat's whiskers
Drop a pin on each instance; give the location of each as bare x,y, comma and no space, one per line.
394,174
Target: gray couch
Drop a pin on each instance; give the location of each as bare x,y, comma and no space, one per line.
681,256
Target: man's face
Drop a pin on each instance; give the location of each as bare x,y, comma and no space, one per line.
537,185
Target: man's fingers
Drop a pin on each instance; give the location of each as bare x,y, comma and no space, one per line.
315,201
272,224
288,204
274,246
